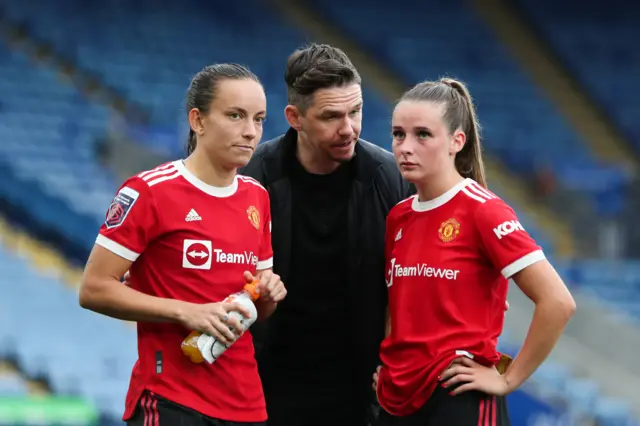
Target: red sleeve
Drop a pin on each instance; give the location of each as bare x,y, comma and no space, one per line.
130,221
265,258
508,245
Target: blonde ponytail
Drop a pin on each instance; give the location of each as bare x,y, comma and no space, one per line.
469,161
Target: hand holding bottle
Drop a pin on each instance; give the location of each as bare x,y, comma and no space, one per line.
214,319
237,312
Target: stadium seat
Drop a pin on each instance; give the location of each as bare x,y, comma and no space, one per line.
74,190
47,155
445,38
614,282
581,397
583,393
611,413
151,62
50,133
76,351
12,386
597,42
83,354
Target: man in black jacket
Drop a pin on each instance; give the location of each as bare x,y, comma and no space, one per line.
330,194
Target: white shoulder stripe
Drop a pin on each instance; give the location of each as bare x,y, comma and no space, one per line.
478,190
116,248
150,176
265,264
473,196
148,172
406,199
525,261
164,178
251,180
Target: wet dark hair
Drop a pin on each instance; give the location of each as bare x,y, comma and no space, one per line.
202,90
317,66
459,113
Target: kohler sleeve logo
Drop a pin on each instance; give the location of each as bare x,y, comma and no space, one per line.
507,228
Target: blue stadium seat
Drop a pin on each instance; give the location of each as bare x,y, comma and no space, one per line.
151,57
520,125
613,282
146,50
76,351
84,354
581,397
610,412
583,394
11,385
153,65
49,135
598,44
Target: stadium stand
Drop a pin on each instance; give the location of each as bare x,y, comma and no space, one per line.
152,57
51,132
44,342
596,41
597,45
145,66
521,126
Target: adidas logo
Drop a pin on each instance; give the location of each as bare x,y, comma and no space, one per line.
192,216
399,234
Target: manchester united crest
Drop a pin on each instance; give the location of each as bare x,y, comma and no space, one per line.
449,230
254,216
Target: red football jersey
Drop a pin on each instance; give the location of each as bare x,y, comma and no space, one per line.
447,262
191,241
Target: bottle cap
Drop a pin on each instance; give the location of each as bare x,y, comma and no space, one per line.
252,290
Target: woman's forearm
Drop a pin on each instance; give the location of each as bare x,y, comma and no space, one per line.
549,320
109,297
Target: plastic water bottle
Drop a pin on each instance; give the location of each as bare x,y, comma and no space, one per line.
200,347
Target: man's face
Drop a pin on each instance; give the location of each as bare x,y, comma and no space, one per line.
332,122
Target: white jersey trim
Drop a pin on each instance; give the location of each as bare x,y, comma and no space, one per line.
161,179
265,264
423,206
475,188
477,192
158,170
116,248
249,179
523,262
215,191
407,199
159,174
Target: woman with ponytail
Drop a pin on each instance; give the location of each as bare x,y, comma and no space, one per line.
449,251
191,232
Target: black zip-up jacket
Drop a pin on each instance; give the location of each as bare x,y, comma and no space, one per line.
377,187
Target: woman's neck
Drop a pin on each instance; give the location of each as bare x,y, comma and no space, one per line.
433,187
208,172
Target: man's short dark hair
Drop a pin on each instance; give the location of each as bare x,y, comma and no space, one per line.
314,67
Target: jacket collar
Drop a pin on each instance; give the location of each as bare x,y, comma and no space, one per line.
280,159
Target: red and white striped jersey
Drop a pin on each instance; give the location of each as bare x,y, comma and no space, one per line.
447,263
191,241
